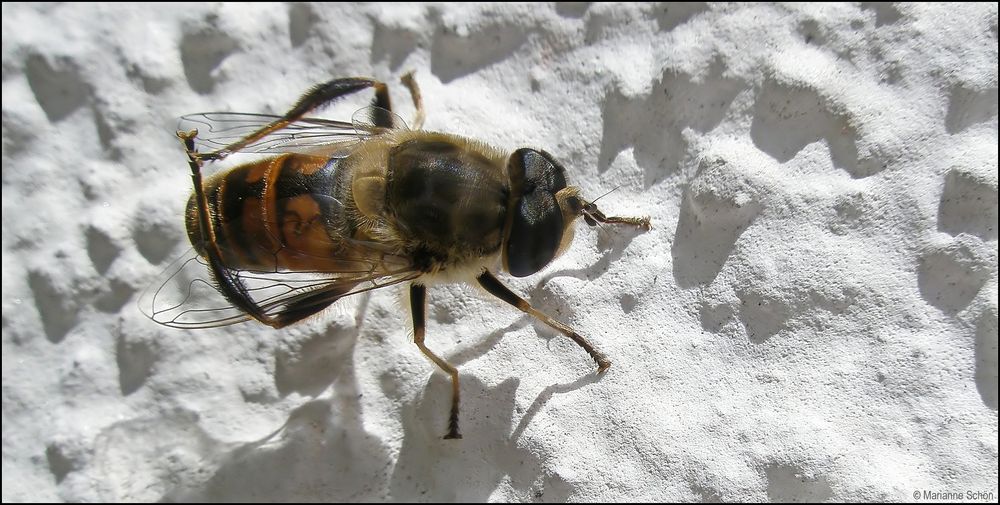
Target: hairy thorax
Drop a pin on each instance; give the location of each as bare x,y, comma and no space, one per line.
444,200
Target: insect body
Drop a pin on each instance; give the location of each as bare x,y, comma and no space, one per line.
340,208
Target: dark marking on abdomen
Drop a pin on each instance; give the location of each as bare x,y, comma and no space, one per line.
233,226
249,205
300,176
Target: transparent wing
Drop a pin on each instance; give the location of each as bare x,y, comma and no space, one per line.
219,130
186,295
367,119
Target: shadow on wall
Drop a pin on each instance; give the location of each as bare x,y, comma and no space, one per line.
653,124
967,107
201,53
790,484
466,470
986,358
321,451
717,207
951,275
472,469
968,205
453,53
324,451
786,119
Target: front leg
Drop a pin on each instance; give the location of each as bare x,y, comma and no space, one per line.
592,215
496,288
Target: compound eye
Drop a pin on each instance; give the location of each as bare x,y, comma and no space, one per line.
537,223
535,234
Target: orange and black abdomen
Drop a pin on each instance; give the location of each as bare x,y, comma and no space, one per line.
272,214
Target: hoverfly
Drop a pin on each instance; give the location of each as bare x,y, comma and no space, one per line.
338,208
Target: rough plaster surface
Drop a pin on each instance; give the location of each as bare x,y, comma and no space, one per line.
812,317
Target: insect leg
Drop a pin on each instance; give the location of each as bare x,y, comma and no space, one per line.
307,306
418,303
316,97
418,101
230,285
592,215
496,288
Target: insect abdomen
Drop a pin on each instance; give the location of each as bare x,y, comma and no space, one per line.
272,214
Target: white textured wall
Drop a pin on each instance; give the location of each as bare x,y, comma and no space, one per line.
813,316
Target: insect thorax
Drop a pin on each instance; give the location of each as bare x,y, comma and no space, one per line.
448,200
